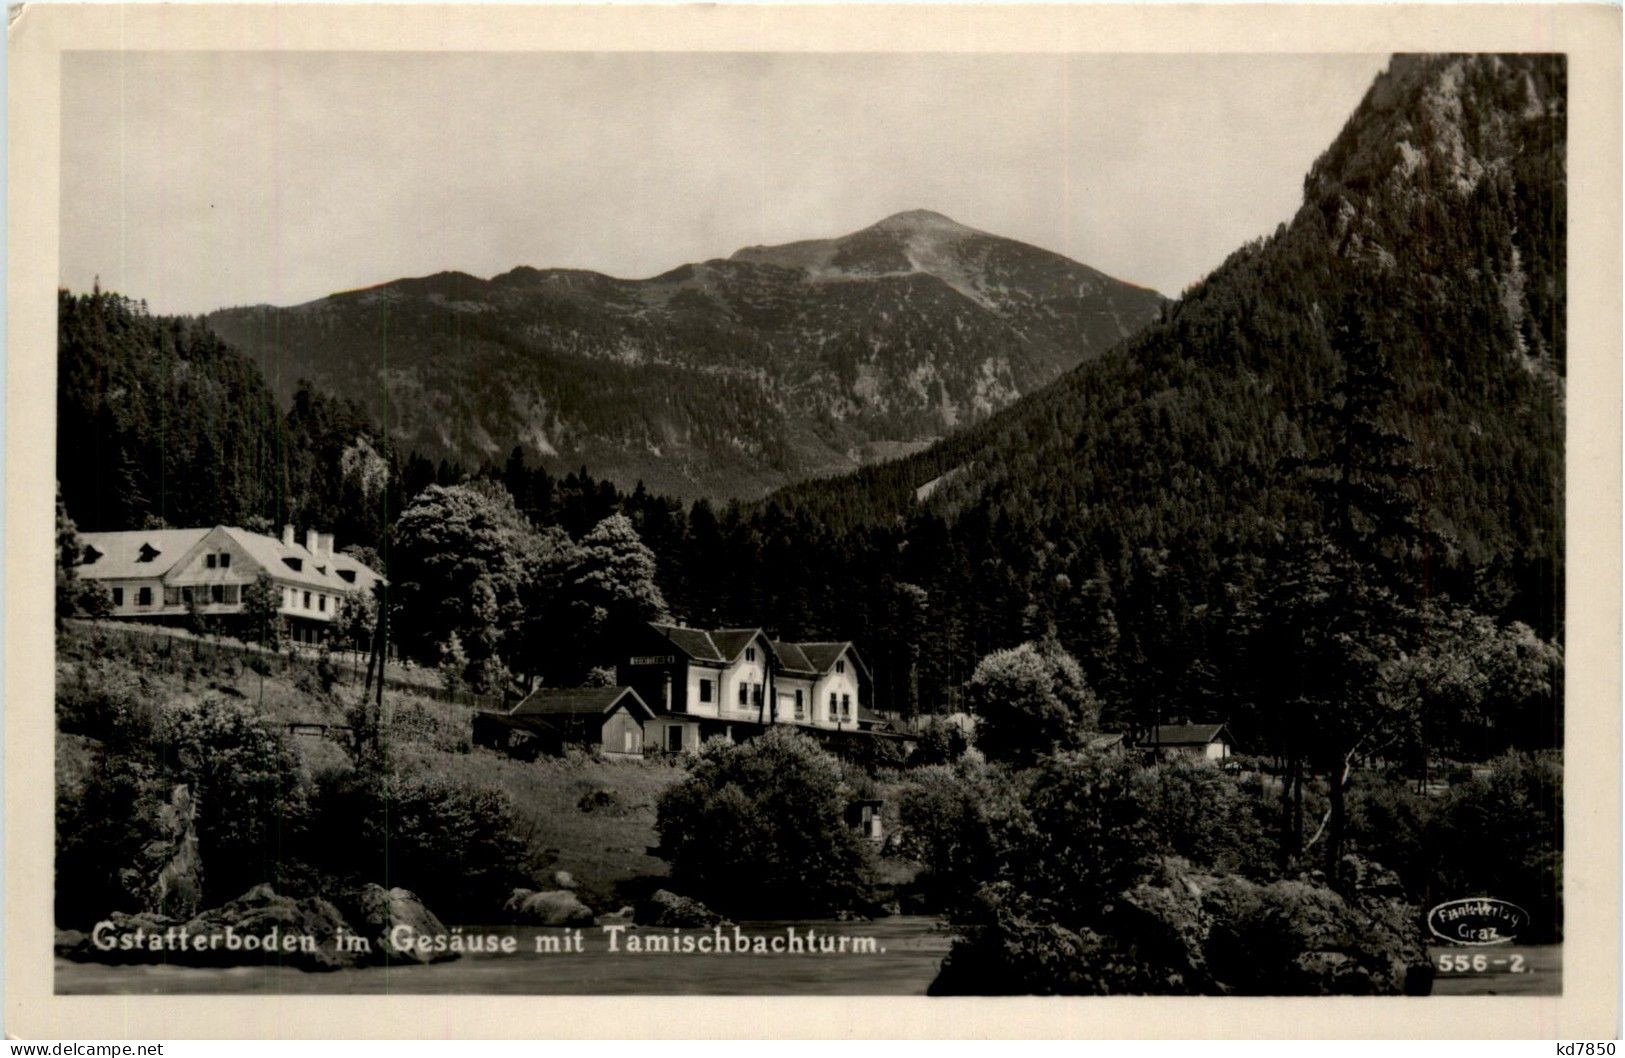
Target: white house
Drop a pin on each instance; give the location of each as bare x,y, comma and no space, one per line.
1190,741
734,682
161,574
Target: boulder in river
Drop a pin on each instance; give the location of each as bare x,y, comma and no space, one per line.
258,928
552,907
376,913
666,908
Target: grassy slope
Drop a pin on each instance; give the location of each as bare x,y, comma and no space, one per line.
606,851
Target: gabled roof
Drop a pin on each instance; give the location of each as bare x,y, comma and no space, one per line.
821,657
120,558
793,659
717,645
120,553
1183,734
579,701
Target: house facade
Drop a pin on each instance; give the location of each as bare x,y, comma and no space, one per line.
165,574
735,682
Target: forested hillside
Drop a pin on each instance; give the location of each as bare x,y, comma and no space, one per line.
1146,494
159,421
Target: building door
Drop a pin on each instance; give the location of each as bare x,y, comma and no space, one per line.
674,739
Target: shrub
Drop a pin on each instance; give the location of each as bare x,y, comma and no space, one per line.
1090,838
940,742
245,780
1389,823
1029,701
1502,835
1201,814
960,822
462,850
101,833
758,830
105,702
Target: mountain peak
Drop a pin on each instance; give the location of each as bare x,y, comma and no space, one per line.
919,220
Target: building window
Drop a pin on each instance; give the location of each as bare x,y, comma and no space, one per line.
225,560
744,693
186,596
321,603
750,653
307,600
143,596
705,690
208,560
217,593
172,596
846,706
832,713
756,695
118,596
231,595
840,666
801,710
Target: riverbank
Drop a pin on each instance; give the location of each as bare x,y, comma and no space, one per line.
908,950
890,956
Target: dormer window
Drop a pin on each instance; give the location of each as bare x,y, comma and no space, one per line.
348,575
89,556
148,553
295,564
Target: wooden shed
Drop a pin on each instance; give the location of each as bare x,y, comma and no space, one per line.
609,719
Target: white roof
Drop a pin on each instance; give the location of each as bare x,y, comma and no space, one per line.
121,552
121,557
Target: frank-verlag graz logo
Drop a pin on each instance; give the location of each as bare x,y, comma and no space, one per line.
1477,920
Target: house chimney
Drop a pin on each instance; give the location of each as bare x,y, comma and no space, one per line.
326,542
311,538
287,536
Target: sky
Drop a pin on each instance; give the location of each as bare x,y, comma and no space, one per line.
199,180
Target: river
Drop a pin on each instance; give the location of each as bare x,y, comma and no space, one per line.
906,952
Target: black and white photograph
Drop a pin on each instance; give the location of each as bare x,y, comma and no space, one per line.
797,523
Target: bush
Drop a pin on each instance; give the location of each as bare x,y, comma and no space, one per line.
461,850
1389,822
940,742
101,834
1090,838
245,780
1028,702
758,830
961,823
105,702
1502,835
1205,816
